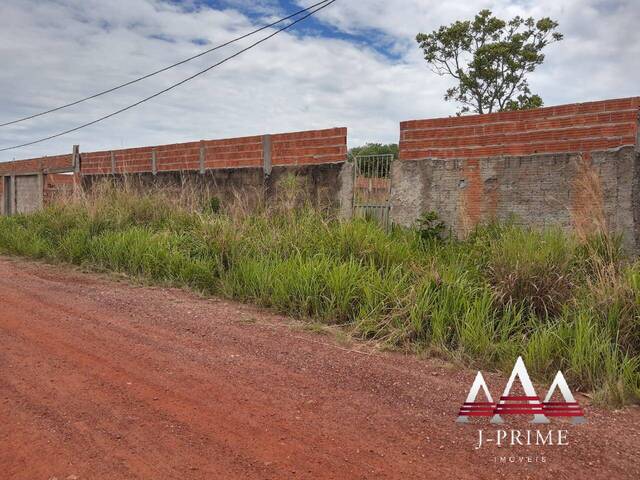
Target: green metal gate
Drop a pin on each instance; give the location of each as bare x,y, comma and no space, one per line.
372,188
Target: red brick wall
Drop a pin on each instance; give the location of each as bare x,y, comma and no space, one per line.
580,127
56,184
33,165
299,148
308,148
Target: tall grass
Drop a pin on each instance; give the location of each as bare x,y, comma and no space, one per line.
558,300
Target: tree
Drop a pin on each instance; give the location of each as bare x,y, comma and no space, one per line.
490,58
372,167
374,149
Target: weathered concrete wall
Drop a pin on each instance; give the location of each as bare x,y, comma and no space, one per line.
28,193
245,169
570,165
345,191
320,184
571,190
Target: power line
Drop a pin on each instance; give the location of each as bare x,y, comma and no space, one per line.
144,77
171,87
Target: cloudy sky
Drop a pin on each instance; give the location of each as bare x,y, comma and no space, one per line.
356,65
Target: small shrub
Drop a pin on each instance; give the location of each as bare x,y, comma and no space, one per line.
213,206
429,226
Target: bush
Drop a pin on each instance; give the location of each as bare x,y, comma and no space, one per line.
213,206
429,226
531,268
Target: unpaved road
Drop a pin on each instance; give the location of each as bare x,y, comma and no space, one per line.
103,380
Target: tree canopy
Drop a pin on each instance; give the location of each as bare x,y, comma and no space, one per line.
374,149
490,59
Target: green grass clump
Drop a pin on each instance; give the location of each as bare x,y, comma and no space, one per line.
506,291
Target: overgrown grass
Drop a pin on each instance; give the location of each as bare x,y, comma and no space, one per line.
561,302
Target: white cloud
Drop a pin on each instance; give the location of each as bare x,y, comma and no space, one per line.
55,52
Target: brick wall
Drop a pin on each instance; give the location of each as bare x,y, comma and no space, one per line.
581,127
56,184
31,189
36,164
313,147
299,148
571,165
231,165
309,148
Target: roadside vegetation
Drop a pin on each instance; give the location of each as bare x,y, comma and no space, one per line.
563,302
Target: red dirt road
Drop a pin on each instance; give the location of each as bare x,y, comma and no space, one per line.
103,380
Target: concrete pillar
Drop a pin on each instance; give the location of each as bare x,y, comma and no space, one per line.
346,191
154,165
266,154
75,158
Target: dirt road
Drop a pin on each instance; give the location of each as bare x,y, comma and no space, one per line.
103,380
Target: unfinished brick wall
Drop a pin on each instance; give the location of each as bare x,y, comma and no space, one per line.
226,167
572,165
309,148
29,188
298,148
56,185
580,127
33,165
246,167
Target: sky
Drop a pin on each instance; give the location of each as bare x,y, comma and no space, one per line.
355,64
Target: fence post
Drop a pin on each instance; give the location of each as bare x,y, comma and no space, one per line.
266,154
203,154
154,165
75,158
113,163
12,196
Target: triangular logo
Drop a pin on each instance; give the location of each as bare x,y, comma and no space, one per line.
471,408
529,403
568,408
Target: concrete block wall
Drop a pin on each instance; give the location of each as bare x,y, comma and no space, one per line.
572,165
28,193
320,184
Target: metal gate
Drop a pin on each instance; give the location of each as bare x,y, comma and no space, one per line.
372,187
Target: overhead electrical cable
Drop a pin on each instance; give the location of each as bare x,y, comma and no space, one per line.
181,62
171,87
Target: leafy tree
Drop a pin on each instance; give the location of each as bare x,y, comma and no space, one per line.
374,149
371,166
490,58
